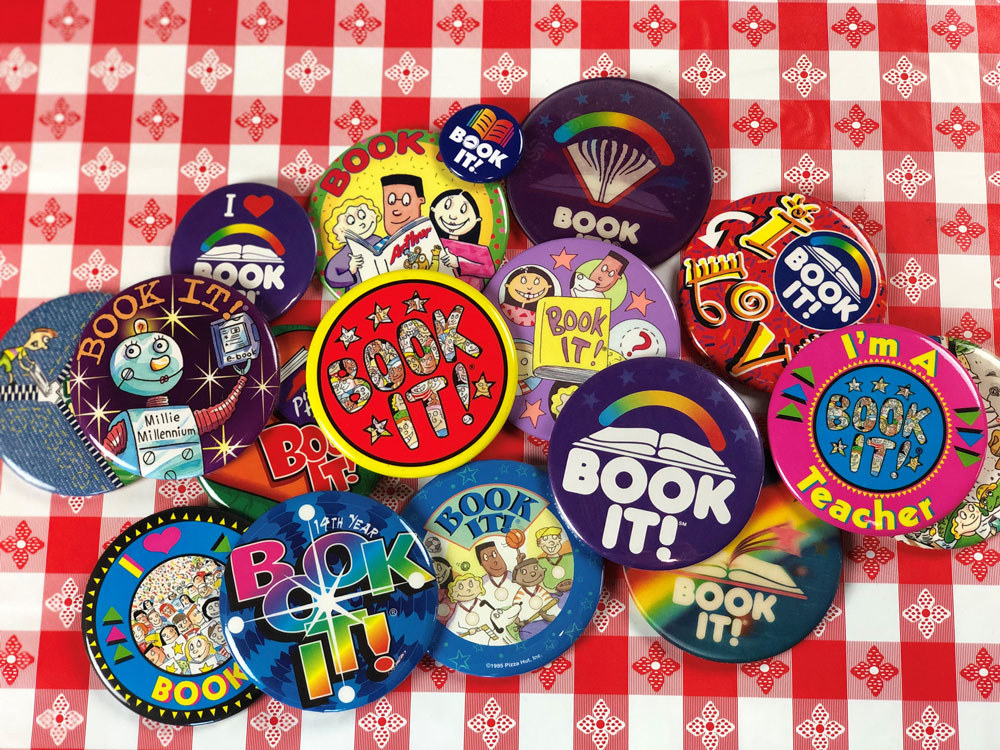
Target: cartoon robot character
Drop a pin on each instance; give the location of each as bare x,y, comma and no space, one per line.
161,440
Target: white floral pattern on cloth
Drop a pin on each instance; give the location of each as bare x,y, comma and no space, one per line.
765,671
984,672
50,219
968,328
875,670
150,220
655,666
407,72
992,78
926,613
60,719
157,119
655,25
360,23
103,168
600,724
930,731
382,722
21,545
607,608
831,614
95,271
68,21
719,174
75,502
754,26
202,169
10,167
913,280
262,22
438,671
66,603
302,171
165,21
180,492
556,25
490,723
853,27
710,727
871,555
164,732
59,118
7,269
604,68
857,125
307,71
505,73
256,120
804,75
17,68
209,70
909,176
703,74
963,228
274,721
355,121
819,728
14,659
904,77
806,174
112,70
548,673
458,23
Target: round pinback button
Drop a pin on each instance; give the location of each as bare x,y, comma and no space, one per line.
574,307
292,455
515,588
411,373
389,204
755,598
252,237
174,377
656,463
768,274
877,429
977,517
329,601
481,143
40,436
151,613
612,159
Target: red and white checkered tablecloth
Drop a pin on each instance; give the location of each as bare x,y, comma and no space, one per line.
114,111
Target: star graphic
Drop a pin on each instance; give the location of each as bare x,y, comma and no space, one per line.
379,315
563,259
78,377
740,433
627,377
581,99
483,387
626,97
545,120
348,336
715,397
99,411
639,302
674,375
590,400
854,385
879,385
461,660
905,391
224,447
377,429
664,116
913,463
416,303
173,317
532,411
209,378
838,447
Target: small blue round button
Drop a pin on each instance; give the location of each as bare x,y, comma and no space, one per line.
481,143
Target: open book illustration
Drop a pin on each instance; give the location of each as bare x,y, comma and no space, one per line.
246,253
607,169
666,448
415,246
485,123
740,566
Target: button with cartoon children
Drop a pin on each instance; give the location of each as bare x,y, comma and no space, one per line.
40,435
515,587
151,618
575,307
389,204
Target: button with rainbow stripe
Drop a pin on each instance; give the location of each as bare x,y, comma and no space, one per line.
655,463
252,237
616,160
755,598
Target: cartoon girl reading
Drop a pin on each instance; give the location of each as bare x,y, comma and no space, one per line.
357,220
456,218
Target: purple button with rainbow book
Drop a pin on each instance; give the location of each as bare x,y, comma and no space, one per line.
253,237
880,430
575,307
174,377
612,159
656,463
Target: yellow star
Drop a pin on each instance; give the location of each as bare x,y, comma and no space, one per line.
483,387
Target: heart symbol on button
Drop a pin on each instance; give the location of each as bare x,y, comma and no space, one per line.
258,204
162,541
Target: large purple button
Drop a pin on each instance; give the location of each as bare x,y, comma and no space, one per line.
656,463
253,237
574,307
613,159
